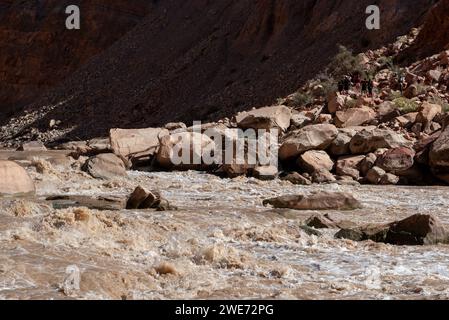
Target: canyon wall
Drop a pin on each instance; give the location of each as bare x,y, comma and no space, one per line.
37,52
202,59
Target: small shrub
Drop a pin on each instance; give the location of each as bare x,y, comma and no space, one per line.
302,99
344,63
394,95
329,86
422,88
351,103
405,105
385,63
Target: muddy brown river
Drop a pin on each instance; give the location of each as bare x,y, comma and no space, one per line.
221,243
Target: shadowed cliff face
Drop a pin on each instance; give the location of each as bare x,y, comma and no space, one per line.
38,52
200,60
434,36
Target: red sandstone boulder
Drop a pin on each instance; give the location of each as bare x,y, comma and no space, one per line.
354,117
396,160
265,118
313,137
312,161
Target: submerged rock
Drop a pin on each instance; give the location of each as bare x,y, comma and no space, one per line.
141,198
419,229
320,222
316,201
91,202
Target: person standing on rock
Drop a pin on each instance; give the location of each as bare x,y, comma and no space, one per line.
347,84
401,83
364,87
356,81
370,87
341,86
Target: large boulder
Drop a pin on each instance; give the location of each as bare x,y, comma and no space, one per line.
314,137
185,151
316,201
387,111
419,229
340,145
136,143
367,141
349,166
105,166
427,112
314,160
265,118
14,180
354,117
176,126
439,156
396,160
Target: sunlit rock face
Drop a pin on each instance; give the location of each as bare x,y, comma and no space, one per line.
434,36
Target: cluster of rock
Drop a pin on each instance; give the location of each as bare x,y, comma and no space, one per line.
419,229
316,152
348,145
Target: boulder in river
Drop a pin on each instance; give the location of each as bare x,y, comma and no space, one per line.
105,166
419,229
322,200
142,198
14,180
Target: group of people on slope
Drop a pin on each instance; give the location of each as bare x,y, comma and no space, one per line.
363,85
